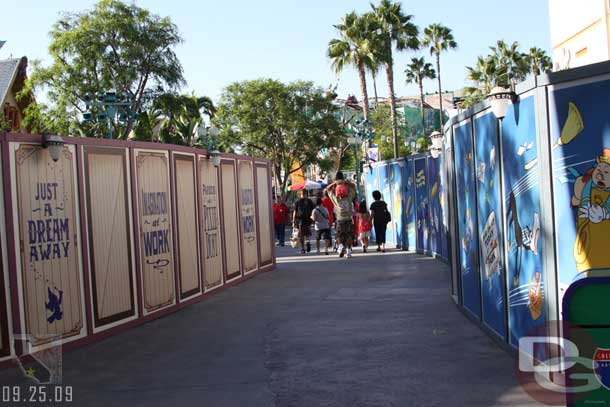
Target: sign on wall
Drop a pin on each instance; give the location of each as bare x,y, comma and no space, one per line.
107,197
466,219
210,224
264,218
156,248
186,217
247,211
49,241
489,210
231,219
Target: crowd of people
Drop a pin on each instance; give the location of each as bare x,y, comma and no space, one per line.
337,207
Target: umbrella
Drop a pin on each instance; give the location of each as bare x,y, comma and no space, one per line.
307,184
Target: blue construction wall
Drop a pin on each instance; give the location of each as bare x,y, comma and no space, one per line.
530,196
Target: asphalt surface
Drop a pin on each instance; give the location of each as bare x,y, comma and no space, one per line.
373,330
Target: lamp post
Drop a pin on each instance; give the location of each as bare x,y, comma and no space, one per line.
356,142
210,142
437,144
499,98
108,107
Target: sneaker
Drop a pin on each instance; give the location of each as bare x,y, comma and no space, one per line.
349,253
308,247
302,251
326,252
318,251
379,249
364,249
342,253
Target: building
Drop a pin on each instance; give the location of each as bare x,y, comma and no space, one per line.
13,73
580,33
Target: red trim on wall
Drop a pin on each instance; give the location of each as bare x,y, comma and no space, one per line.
5,350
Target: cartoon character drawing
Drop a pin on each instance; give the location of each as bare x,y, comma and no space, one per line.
54,305
592,197
535,296
524,237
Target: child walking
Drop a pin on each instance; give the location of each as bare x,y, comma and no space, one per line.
365,224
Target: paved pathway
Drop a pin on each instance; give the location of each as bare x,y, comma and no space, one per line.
374,330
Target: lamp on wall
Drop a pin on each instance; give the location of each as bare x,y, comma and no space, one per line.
55,144
499,98
437,144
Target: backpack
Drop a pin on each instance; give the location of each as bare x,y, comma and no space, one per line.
304,209
342,190
388,217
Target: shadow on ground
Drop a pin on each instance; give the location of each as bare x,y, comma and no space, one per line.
374,330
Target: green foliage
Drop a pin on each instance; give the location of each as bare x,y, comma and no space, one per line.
114,47
382,127
286,123
504,66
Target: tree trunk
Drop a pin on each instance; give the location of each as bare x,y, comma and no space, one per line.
421,98
440,91
390,74
375,89
365,95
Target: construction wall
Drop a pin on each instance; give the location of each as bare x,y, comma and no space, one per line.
520,207
115,233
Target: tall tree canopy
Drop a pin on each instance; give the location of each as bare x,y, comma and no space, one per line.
114,47
289,124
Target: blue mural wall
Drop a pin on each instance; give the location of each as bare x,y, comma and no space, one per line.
580,138
409,191
466,209
421,205
396,207
442,199
489,197
523,235
434,212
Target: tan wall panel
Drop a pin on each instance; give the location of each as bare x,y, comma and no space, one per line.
109,236
50,269
186,209
230,219
210,224
264,203
154,208
247,209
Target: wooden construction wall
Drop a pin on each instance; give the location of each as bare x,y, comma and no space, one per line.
115,233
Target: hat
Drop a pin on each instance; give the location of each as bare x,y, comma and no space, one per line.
605,157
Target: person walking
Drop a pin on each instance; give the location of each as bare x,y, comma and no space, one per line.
342,193
301,219
381,217
321,217
364,226
280,215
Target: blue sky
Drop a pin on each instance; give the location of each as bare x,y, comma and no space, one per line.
227,41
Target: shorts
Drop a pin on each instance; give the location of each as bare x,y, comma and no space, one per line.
345,230
364,235
323,234
304,228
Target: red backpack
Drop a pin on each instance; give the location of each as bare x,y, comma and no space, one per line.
342,190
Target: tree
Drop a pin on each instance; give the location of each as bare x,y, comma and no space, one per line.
382,127
416,72
287,123
438,38
538,61
511,64
395,30
114,47
354,48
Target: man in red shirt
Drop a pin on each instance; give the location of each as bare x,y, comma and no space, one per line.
280,214
330,207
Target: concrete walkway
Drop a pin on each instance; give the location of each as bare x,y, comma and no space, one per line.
374,330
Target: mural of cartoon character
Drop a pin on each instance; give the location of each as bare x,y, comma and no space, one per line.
592,198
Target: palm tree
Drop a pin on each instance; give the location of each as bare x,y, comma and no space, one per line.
511,63
538,61
416,72
395,30
373,66
353,48
438,38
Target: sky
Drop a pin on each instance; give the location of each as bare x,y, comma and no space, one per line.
228,41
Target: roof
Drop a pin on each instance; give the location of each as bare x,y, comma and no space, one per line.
8,72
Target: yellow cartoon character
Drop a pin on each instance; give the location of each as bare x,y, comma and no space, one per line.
592,193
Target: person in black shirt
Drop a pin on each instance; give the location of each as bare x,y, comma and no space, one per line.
379,213
301,219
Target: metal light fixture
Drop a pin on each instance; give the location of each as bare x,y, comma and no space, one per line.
55,144
499,98
214,156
